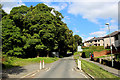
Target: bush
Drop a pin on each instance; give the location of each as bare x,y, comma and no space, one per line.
96,47
7,61
87,53
84,47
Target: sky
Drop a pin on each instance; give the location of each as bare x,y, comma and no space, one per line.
85,18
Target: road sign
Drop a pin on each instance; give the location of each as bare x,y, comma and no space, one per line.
79,49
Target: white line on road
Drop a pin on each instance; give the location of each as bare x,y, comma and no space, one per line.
47,69
83,75
30,73
72,69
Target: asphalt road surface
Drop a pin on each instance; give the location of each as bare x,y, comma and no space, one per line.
64,68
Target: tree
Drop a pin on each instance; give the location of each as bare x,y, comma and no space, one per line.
77,41
11,38
35,31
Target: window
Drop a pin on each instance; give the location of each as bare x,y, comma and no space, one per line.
116,37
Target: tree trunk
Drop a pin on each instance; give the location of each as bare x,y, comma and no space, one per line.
48,54
37,54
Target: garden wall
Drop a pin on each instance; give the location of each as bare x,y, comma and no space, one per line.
101,53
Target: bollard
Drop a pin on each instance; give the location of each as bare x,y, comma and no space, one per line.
79,64
43,63
40,65
99,60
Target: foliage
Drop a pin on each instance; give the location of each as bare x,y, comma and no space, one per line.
87,52
96,47
35,31
14,61
95,71
78,39
91,49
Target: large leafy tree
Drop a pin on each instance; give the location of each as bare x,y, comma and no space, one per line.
35,31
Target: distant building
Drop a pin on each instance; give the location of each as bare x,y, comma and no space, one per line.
94,42
105,41
115,39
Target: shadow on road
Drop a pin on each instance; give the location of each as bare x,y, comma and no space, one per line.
12,71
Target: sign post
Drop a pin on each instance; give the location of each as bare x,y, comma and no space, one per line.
43,63
79,64
40,65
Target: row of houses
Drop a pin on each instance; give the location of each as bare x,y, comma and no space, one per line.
105,41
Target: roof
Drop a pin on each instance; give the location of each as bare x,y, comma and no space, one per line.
100,38
112,34
95,38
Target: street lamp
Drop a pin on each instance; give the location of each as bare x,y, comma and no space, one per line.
110,42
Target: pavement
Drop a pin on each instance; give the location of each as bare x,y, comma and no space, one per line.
63,68
107,68
21,71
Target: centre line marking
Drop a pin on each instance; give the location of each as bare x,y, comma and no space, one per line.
72,69
47,69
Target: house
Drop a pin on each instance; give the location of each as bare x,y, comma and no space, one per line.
115,40
105,41
94,42
98,41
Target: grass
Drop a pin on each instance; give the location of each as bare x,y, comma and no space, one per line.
76,53
105,56
13,61
95,71
91,49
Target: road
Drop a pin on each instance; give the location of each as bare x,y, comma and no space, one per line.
64,68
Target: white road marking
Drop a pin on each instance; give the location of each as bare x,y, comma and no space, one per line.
72,69
47,69
32,75
83,75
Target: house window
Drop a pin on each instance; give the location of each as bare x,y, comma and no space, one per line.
95,44
95,40
116,37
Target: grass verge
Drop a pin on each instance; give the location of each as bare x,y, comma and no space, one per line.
96,71
13,61
105,56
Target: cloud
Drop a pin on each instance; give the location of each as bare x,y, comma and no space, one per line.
95,10
98,33
112,21
7,6
86,39
57,7
112,28
66,19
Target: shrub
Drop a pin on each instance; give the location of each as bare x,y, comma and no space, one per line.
96,47
87,52
84,47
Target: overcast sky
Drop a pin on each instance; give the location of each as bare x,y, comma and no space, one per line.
85,18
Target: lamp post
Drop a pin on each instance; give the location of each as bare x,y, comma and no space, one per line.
110,42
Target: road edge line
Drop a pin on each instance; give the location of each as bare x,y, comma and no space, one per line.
88,75
30,73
